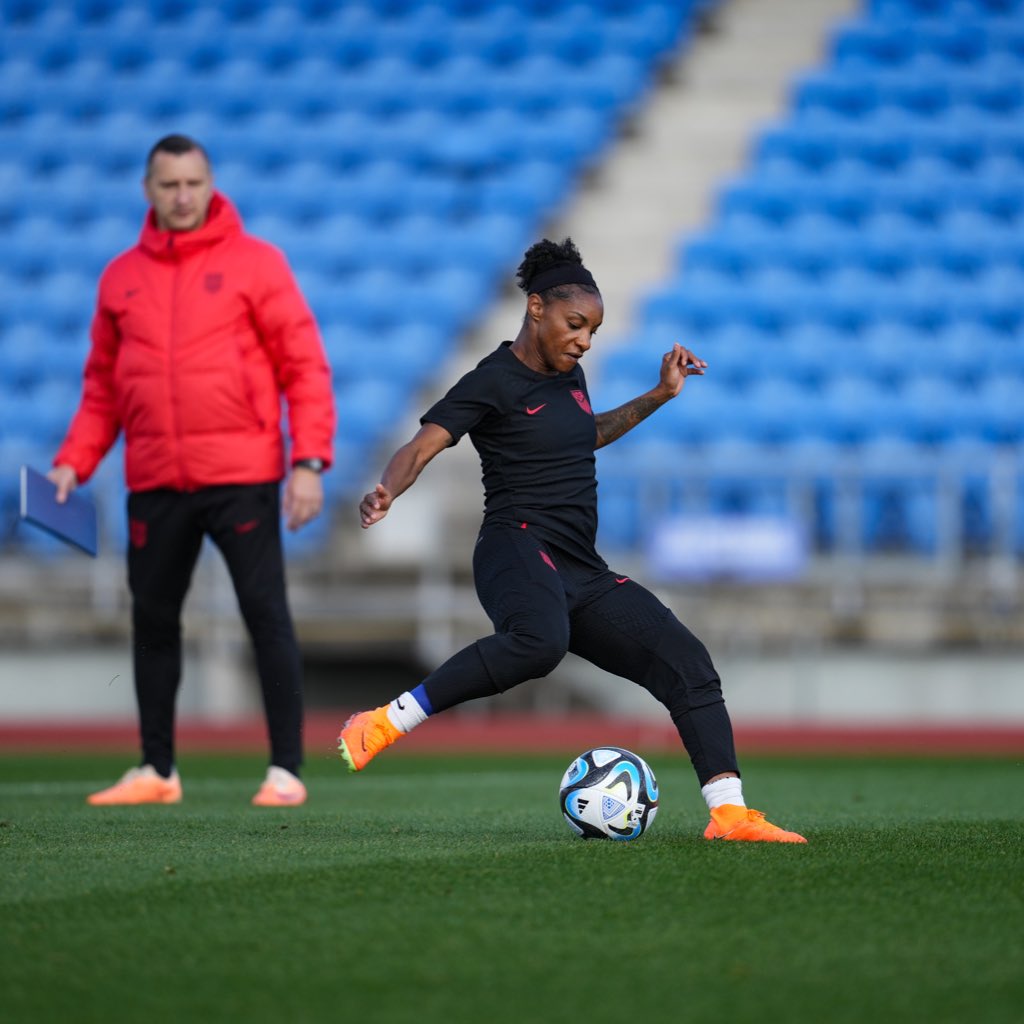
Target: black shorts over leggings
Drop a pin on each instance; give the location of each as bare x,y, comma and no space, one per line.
544,603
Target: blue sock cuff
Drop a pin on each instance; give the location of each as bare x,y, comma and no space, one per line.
423,700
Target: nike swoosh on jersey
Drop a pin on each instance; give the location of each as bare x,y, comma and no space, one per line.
535,410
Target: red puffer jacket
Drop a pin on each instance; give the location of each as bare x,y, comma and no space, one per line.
195,337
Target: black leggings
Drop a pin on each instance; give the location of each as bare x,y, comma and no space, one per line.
166,530
544,603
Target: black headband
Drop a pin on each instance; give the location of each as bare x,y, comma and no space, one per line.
560,273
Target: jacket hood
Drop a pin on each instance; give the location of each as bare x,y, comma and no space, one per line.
222,221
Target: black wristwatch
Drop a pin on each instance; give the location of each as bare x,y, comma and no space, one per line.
317,465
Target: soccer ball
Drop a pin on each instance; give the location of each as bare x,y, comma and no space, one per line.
609,793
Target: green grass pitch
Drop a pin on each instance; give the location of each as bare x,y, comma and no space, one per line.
449,889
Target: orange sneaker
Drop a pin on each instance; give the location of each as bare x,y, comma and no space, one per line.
140,786
364,736
280,789
741,823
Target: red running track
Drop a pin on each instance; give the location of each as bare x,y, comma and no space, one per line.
507,733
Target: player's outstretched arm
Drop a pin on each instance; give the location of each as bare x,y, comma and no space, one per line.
402,470
676,366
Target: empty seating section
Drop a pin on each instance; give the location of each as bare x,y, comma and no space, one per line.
402,154
858,295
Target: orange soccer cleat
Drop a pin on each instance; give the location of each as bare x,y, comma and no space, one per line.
364,736
745,825
140,786
280,789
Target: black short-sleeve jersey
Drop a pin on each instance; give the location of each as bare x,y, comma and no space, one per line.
536,436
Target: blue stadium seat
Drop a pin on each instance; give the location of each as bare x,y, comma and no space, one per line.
847,95
996,354
459,87
999,402
922,92
736,353
625,472
811,353
488,242
30,354
28,246
62,303
52,403
526,189
452,294
899,499
540,82
855,408
408,351
868,43
370,407
495,37
777,410
893,351
18,406
422,37
744,479
574,135
935,408
970,468
365,299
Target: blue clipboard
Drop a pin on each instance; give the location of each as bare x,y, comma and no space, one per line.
74,522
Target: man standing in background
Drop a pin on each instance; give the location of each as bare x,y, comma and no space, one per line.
199,330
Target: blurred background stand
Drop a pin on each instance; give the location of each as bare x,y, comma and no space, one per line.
822,200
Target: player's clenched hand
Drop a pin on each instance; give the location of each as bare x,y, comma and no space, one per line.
374,506
303,497
677,365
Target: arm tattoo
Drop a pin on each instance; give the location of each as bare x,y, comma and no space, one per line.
612,425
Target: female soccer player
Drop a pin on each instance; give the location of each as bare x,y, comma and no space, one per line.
537,573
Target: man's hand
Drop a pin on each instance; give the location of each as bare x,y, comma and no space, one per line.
303,497
66,480
374,506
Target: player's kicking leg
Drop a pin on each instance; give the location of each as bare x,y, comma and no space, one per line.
367,733
364,736
655,650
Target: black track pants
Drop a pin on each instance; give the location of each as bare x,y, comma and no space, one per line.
543,603
166,530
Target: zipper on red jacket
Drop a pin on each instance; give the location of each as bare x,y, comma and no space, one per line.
173,374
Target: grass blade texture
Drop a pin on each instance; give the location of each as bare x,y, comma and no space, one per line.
449,889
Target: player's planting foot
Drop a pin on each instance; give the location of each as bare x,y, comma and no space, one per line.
364,736
745,825
280,789
140,786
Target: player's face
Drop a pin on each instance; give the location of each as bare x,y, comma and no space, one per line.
565,329
179,188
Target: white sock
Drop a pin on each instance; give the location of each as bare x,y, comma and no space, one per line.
406,713
724,791
279,776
